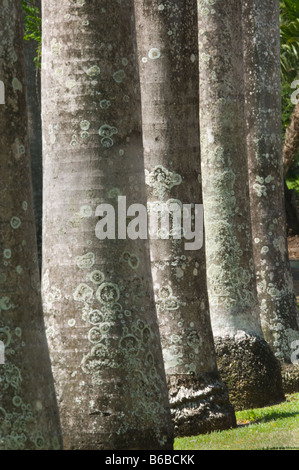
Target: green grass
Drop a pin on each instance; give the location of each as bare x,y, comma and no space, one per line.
274,427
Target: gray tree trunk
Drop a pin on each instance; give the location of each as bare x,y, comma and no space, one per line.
245,360
35,133
168,58
276,296
28,411
291,143
98,297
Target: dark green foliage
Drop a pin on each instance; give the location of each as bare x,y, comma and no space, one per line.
33,26
289,35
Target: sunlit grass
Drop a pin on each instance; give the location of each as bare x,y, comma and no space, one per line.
275,427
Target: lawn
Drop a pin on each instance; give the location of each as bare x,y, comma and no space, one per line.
269,428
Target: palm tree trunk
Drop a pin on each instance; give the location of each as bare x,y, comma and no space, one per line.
245,361
28,412
35,133
169,85
291,143
98,297
266,183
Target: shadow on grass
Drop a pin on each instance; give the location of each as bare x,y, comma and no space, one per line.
277,415
273,416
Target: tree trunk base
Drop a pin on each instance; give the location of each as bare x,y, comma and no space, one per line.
134,439
290,378
199,404
250,370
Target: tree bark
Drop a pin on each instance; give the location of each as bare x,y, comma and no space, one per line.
28,413
252,375
35,133
291,143
276,296
292,211
98,297
168,61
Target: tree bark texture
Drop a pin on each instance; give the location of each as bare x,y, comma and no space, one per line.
230,266
28,409
98,296
168,61
291,142
278,307
35,133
